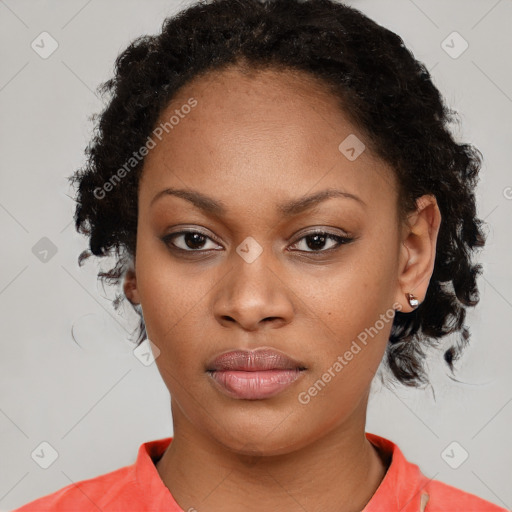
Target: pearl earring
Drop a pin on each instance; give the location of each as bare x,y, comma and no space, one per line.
413,301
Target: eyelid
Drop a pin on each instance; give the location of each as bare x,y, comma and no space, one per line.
341,238
184,231
323,230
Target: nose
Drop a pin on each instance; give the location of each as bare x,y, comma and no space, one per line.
254,296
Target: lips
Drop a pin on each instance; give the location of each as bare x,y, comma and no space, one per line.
254,374
254,360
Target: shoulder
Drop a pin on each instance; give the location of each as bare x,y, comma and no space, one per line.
134,487
89,495
443,497
407,489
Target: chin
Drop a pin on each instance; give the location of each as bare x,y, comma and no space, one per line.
268,437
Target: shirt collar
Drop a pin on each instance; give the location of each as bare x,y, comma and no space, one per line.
400,489
151,485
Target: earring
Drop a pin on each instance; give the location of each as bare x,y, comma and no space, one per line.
413,301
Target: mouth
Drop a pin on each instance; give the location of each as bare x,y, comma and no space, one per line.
254,375
253,361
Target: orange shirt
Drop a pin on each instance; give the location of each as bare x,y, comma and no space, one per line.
138,487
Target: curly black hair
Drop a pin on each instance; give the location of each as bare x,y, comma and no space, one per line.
384,90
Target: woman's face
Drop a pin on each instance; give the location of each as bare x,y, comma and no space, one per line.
252,278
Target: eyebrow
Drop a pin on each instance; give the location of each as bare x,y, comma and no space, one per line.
288,208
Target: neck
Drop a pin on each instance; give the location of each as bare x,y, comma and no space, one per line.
337,472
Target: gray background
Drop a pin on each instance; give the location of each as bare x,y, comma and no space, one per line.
95,403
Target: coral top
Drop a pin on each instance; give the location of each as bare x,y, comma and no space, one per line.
138,487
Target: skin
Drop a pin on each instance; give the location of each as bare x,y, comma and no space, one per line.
253,141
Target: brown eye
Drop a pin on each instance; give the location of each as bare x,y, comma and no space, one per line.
190,241
316,242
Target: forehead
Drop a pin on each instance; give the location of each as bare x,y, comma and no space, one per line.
263,134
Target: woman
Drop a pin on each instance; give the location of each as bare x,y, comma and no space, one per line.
288,209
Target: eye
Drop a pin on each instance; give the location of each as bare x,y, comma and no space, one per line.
318,239
196,241
190,241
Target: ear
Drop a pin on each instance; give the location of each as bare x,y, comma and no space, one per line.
130,286
418,251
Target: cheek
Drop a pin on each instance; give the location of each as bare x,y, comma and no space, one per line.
351,295
350,356
355,313
170,298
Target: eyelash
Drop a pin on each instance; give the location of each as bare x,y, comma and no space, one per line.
339,239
